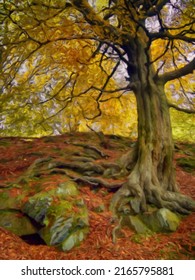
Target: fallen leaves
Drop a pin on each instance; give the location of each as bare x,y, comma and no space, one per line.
99,243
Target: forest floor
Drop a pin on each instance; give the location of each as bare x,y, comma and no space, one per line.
17,154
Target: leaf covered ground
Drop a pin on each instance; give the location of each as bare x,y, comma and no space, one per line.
17,155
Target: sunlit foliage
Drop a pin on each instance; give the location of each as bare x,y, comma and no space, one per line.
54,78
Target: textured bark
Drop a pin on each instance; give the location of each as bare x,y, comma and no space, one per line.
152,180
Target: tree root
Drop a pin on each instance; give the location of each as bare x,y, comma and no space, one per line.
93,148
83,167
142,187
95,181
160,198
178,202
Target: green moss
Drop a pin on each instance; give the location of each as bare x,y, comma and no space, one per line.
187,163
5,143
8,201
37,206
140,238
137,238
134,222
16,222
170,255
68,188
161,220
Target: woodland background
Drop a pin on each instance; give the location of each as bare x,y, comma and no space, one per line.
69,92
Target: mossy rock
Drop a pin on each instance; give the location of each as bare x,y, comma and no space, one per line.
62,214
68,188
65,221
36,207
135,223
74,239
161,220
65,230
16,222
10,199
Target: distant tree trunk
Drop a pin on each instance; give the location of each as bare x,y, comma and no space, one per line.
152,179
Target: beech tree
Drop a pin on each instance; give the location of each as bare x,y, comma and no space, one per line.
153,41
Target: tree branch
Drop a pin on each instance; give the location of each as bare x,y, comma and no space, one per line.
104,28
185,110
168,35
155,9
178,73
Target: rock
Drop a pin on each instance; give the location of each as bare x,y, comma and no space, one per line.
169,221
65,222
10,198
36,207
67,188
161,220
16,222
73,240
61,213
135,223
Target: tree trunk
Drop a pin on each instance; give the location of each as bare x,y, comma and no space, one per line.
152,179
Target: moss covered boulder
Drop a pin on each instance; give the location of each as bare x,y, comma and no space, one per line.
17,222
10,198
159,220
62,215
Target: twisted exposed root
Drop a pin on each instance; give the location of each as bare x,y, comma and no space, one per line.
96,181
93,148
178,202
155,195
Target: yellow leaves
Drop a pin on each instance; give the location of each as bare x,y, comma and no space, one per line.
157,48
119,116
183,126
72,55
100,4
180,92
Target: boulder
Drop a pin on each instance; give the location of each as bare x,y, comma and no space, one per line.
16,222
37,206
135,223
62,214
159,220
10,198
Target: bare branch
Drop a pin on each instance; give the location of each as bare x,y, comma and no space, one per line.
167,35
105,30
58,92
178,73
155,9
185,110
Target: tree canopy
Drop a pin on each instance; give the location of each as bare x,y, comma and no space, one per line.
62,64
70,65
